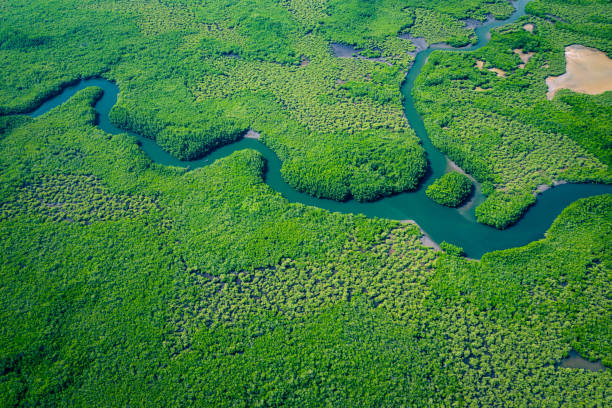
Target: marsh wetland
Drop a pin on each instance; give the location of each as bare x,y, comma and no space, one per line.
458,227
251,203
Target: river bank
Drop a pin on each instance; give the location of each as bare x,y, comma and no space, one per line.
456,226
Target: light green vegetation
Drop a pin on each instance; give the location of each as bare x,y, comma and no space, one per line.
451,189
207,288
127,283
436,27
195,75
503,208
437,24
503,130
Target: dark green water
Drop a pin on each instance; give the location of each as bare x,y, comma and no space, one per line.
457,226
575,360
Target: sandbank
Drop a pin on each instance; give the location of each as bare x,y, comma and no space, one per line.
588,71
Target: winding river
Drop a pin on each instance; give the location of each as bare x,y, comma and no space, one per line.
457,226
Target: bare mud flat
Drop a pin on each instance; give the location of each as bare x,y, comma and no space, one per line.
471,23
419,43
426,240
251,134
524,56
588,71
545,187
348,51
500,72
344,51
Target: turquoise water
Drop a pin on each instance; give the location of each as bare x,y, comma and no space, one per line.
457,226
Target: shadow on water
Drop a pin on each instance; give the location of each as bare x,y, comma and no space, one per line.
457,226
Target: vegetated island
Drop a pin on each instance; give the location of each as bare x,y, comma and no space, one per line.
588,71
488,110
452,189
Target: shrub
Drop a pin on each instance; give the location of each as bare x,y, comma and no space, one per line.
452,249
502,209
451,189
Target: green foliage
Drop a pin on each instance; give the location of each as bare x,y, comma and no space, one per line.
196,75
365,166
8,123
436,28
218,279
487,188
186,141
451,189
452,249
586,119
584,19
502,208
74,198
532,287
11,38
206,288
504,130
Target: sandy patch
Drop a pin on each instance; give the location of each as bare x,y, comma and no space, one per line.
426,241
499,72
540,188
479,89
529,27
588,71
251,134
419,43
524,56
452,166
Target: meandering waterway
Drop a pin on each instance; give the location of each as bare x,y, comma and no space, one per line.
457,226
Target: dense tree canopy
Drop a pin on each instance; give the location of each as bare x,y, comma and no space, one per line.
502,129
452,189
127,283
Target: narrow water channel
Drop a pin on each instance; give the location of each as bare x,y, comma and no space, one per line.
457,226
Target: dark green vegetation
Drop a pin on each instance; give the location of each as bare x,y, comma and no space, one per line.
127,283
451,189
451,249
194,75
503,130
207,288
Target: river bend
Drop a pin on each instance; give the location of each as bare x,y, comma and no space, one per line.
457,226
